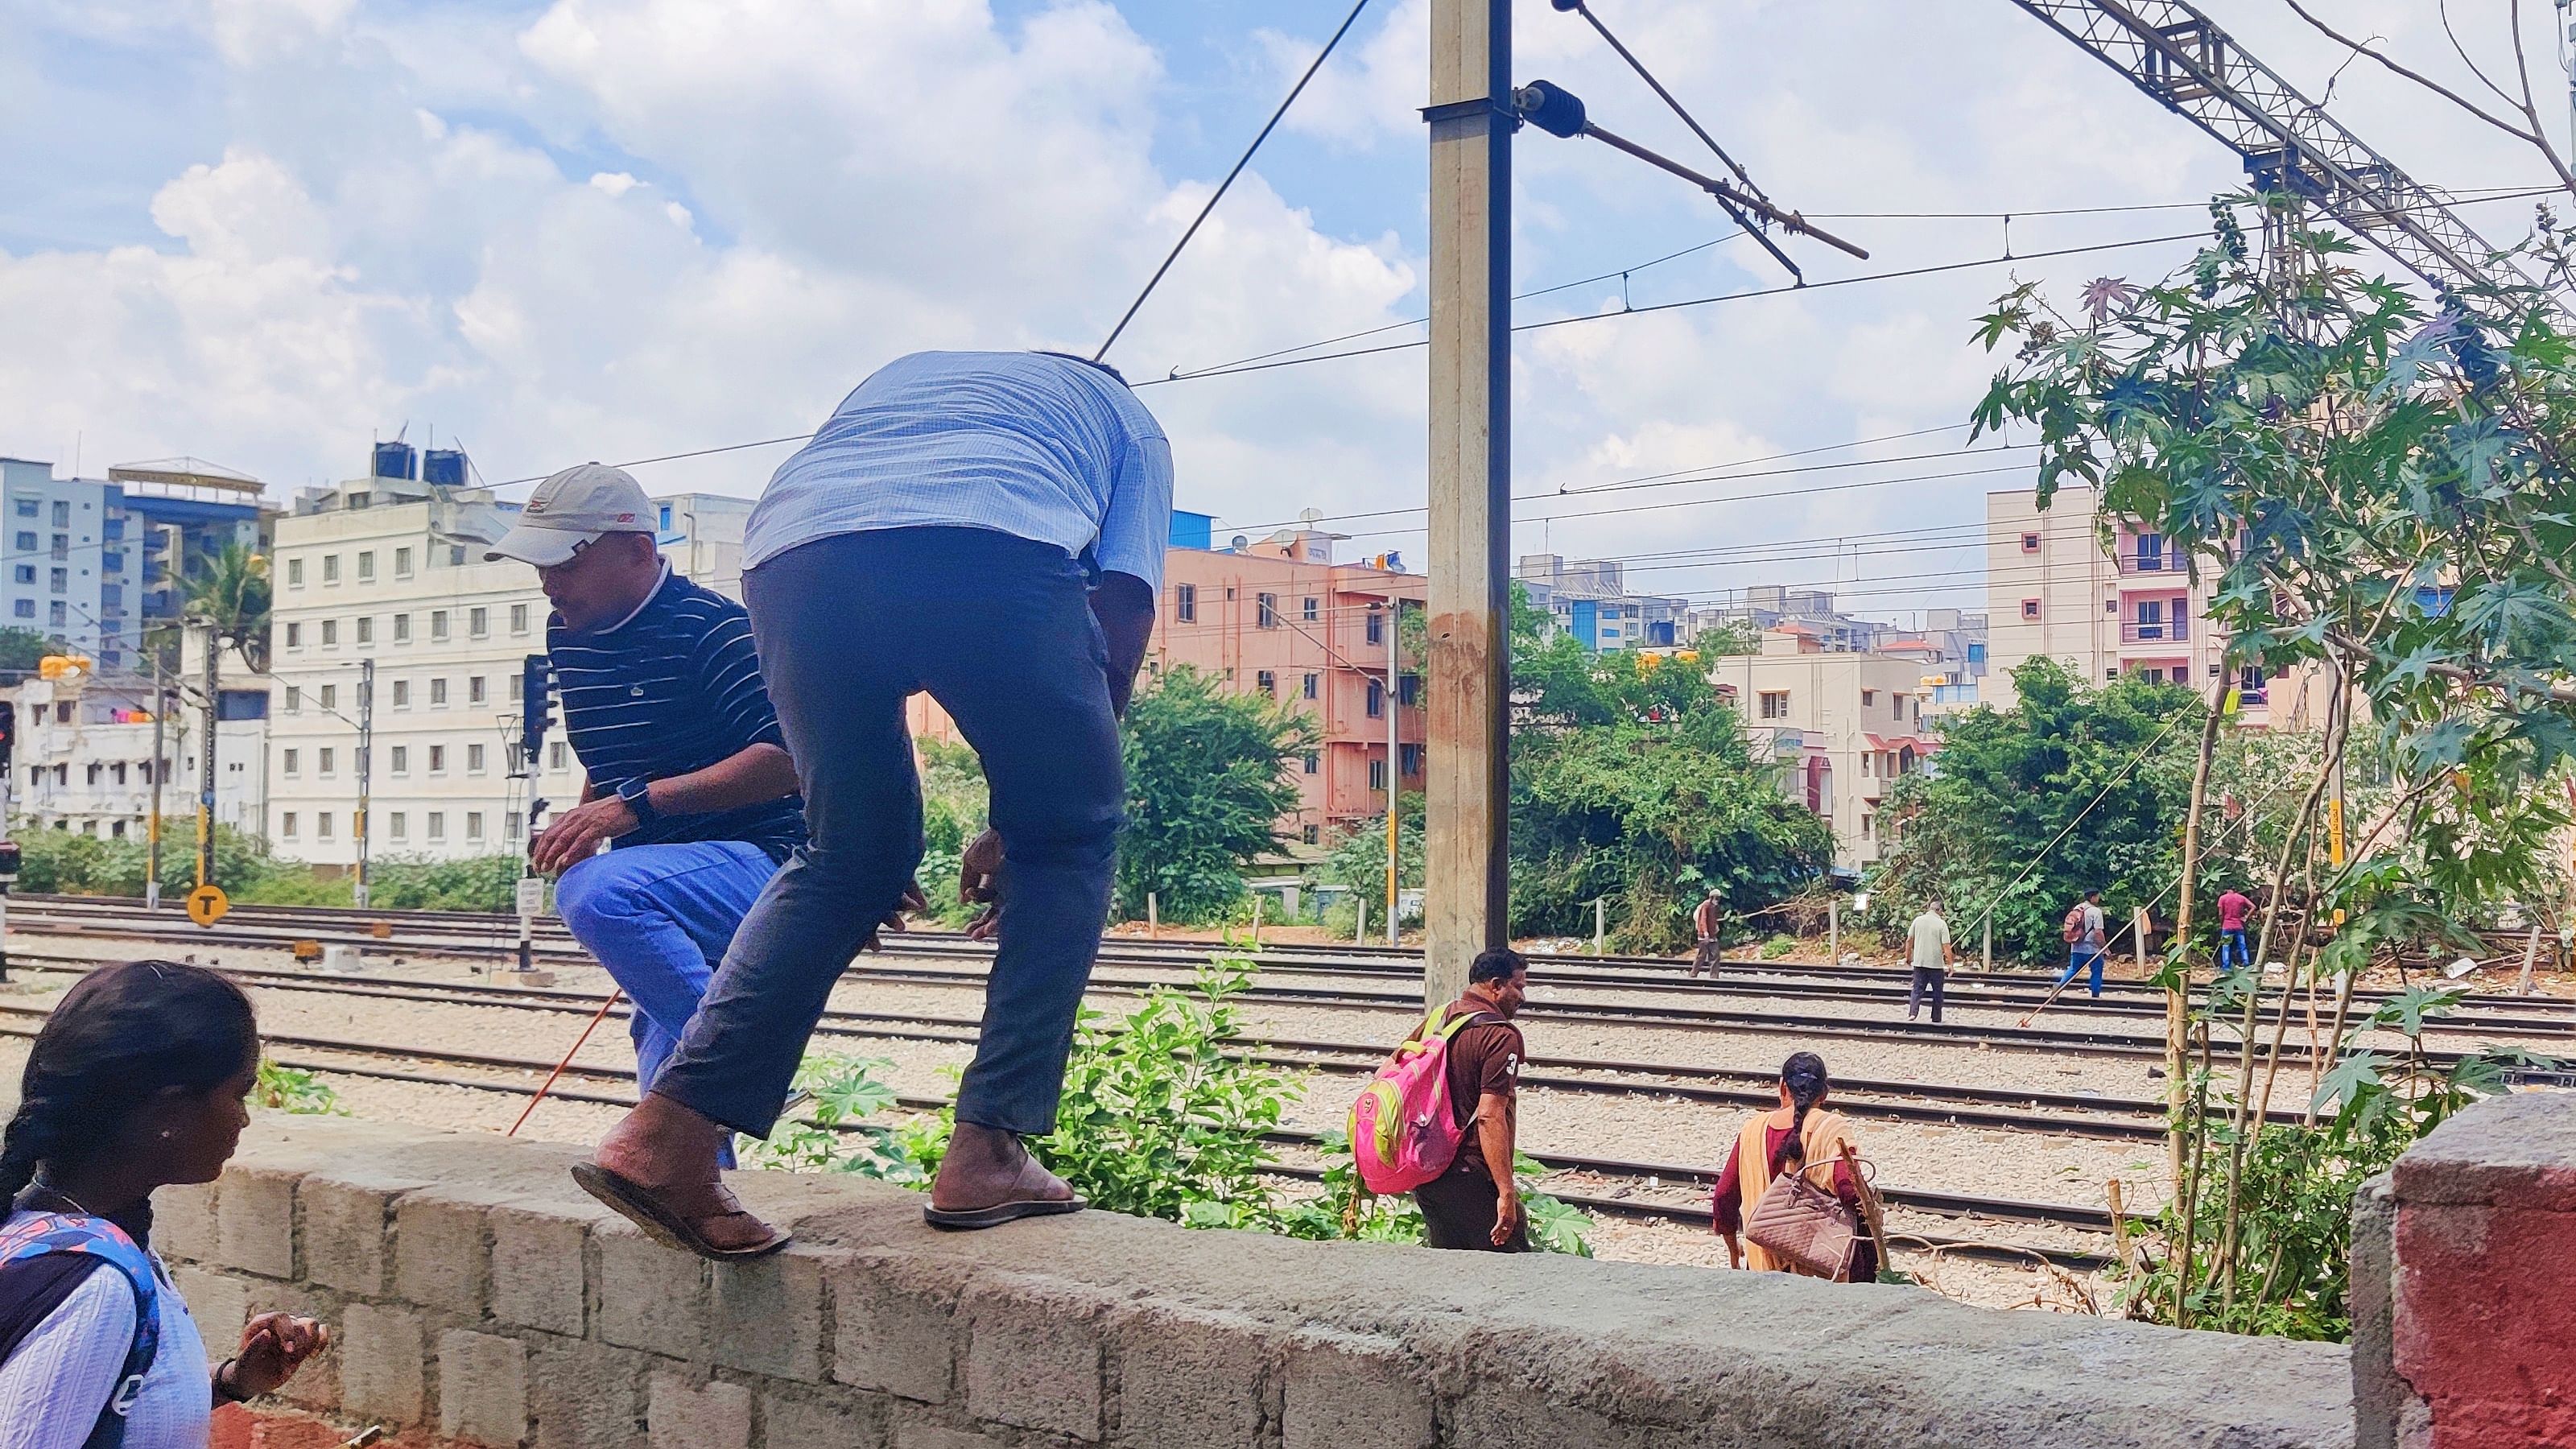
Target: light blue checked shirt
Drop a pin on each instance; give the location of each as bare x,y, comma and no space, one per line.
1044,448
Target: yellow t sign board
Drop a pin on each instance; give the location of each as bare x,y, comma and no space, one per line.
207,904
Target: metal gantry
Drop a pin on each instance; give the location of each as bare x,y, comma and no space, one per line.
2178,55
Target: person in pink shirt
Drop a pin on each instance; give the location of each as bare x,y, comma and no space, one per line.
2234,909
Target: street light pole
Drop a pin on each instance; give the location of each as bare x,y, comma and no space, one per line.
1466,884
366,771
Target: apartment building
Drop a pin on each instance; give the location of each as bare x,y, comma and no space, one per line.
94,563
2108,599
1842,725
86,761
389,571
1589,599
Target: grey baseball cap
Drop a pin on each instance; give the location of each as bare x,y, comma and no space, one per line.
573,509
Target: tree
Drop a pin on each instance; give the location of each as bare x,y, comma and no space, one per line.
2098,779
231,592
21,650
1207,785
1735,636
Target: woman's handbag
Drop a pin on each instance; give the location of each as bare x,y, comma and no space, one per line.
1805,1226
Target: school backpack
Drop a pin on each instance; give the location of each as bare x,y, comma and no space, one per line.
1403,1133
2075,924
36,1234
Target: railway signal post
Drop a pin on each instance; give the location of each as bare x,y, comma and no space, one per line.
536,717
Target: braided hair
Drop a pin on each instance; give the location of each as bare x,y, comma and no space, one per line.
1803,1074
123,1034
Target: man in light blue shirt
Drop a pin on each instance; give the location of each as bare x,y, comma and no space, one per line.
990,527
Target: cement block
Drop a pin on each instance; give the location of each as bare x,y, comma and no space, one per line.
537,1279
381,1350
933,1436
255,1220
1356,1395
1033,1358
2377,1392
482,1388
183,1222
1192,1382
347,1231
441,1258
768,1315
892,1332
800,1418
649,1296
218,1302
687,1416
585,1395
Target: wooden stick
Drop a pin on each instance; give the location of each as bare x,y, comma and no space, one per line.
1869,1209
2119,1223
578,1042
2530,958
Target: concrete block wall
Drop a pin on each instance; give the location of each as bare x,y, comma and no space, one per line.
2464,1284
479,1298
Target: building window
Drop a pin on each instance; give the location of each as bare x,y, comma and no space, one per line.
1265,681
366,629
330,632
555,755
26,609
329,760
402,759
25,573
62,513
295,573
2030,608
2030,543
438,693
1265,610
1310,609
518,618
2151,553
456,556
478,623
27,508
402,694
1185,603
330,568
294,700
1314,763
1376,700
1314,686
59,580
1410,758
330,696
1899,702
1775,704
55,614
402,628
25,543
438,825
95,770
1311,834
437,762
438,626
399,824
286,824
1377,773
1408,690
474,759
518,691
1868,697
473,825
62,547
1376,627
402,563
1869,827
286,762
367,566
474,691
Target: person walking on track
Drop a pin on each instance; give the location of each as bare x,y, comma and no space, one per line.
989,527
1709,921
1929,938
2086,941
2234,909
1476,1204
1796,1135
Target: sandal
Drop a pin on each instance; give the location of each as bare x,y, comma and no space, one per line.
665,1224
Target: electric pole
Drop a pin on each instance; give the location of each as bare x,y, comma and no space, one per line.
206,786
152,828
366,771
1394,759
1465,888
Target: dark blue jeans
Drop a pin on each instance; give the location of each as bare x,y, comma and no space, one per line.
999,630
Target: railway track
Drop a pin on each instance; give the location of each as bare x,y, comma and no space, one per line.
1638,1199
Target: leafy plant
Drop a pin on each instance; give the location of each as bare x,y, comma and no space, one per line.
294,1090
1207,789
830,1132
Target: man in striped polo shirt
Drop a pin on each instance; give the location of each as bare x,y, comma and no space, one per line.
687,782
988,527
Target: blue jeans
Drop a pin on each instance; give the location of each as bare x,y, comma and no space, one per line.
2232,947
999,630
659,917
2081,957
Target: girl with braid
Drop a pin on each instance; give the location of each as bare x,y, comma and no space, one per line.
1783,1140
138,1080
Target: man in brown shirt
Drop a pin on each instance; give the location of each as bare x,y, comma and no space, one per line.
1475,1205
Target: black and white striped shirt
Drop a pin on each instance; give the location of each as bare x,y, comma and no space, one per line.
672,689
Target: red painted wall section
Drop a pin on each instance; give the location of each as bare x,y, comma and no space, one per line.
2480,1298
239,1427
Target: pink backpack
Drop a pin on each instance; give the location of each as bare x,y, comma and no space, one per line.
1403,1133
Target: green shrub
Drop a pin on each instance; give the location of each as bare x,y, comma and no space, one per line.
295,1090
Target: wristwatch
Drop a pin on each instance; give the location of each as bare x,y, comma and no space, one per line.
639,798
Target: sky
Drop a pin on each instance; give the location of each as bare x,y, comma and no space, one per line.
266,232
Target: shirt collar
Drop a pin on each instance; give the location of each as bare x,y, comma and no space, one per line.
641,605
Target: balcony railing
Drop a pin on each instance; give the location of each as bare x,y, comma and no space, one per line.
2133,562
2155,631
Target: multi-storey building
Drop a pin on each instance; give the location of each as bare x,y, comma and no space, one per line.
1589,600
389,572
1842,726
93,564
2106,598
87,756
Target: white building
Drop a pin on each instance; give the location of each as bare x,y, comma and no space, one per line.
389,571
85,762
1843,726
1589,599
92,564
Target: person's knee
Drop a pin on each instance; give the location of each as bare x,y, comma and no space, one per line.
594,893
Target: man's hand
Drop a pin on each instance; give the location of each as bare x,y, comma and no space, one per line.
1507,1218
979,882
576,834
913,900
273,1347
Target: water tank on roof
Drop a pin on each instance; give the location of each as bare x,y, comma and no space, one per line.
443,466
394,460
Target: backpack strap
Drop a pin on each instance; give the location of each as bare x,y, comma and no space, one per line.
35,1235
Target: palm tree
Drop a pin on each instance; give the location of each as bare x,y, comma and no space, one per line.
230,591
